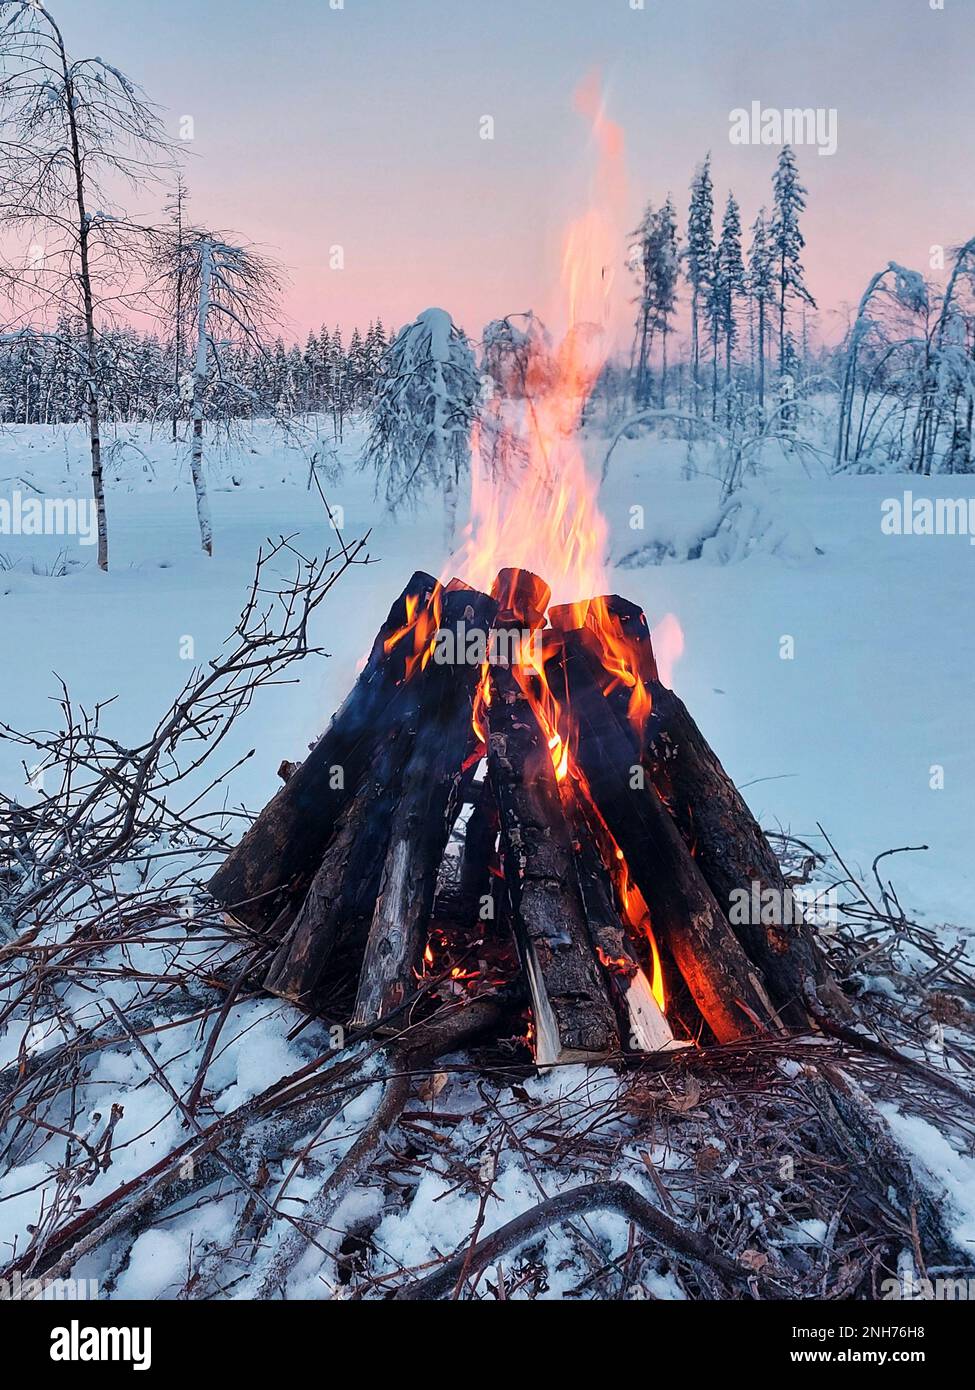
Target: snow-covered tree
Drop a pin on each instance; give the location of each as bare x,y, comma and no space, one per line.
229,293
421,416
787,241
699,257
729,280
949,373
176,207
654,257
761,289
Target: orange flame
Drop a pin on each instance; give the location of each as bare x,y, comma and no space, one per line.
542,513
546,517
422,623
637,914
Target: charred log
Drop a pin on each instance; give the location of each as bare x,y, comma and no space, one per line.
278,856
734,856
339,903
727,988
441,762
643,1024
728,845
573,1016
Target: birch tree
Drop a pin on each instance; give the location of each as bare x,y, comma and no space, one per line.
229,292
69,129
176,207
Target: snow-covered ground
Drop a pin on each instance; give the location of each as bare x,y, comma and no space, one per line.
850,730
846,732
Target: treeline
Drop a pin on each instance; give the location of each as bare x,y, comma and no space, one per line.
140,376
742,302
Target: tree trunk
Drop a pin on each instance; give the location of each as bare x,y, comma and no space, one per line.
199,392
91,348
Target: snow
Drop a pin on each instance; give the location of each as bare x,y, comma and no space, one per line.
943,1168
845,732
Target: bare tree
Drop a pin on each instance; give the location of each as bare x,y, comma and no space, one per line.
71,128
230,293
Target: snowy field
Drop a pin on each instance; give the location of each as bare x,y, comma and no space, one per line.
849,732
844,733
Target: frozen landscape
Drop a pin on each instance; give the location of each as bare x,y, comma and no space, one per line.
486,803
842,735
845,733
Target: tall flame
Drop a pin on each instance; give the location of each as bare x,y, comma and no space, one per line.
542,512
546,517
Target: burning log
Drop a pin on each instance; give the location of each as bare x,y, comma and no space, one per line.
727,988
734,855
605,819
442,759
646,1027
280,853
573,1016
727,842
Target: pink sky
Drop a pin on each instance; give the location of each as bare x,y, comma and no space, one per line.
361,127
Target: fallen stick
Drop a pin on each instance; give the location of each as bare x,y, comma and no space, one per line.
617,1197
459,1027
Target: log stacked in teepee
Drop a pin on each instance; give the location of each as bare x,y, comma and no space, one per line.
605,839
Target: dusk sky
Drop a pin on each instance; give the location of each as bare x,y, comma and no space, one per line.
359,127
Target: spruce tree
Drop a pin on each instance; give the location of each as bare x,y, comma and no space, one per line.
656,261
787,242
730,280
762,289
699,256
